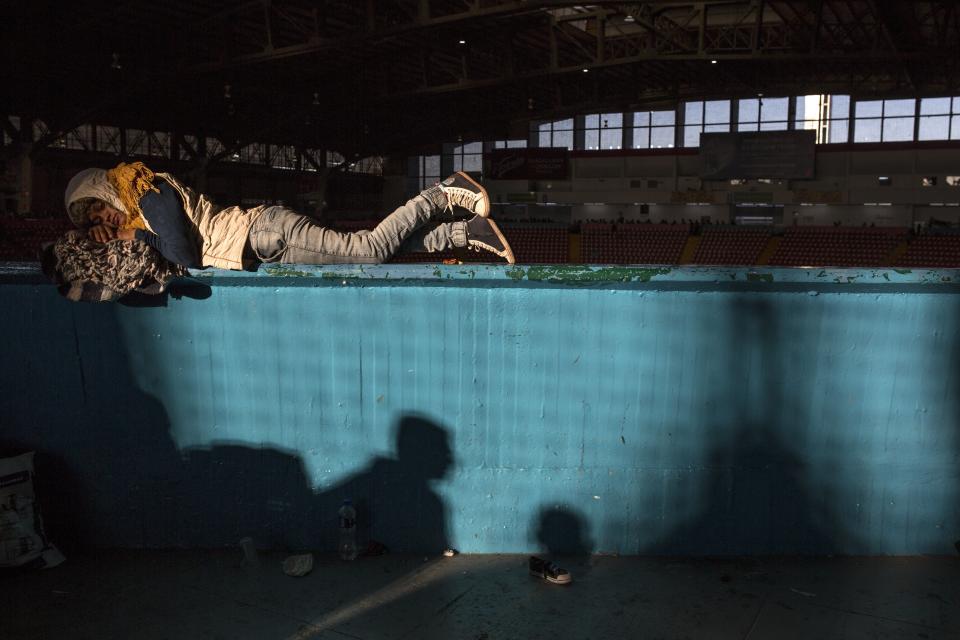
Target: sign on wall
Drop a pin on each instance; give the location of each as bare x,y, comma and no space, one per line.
528,164
757,154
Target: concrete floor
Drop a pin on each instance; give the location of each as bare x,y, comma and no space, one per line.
184,595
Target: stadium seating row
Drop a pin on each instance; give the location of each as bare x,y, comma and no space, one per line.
837,246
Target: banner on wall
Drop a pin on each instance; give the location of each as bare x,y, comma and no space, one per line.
528,164
758,154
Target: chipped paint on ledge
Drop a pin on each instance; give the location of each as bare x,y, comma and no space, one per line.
584,274
564,275
285,271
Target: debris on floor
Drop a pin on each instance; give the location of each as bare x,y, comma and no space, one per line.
21,527
298,566
249,552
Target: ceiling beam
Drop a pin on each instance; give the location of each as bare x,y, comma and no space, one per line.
364,37
819,57
882,24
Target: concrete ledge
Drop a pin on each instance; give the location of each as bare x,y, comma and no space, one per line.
653,277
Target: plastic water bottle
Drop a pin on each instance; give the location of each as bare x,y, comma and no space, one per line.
348,531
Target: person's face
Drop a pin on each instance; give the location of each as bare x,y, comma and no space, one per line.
102,213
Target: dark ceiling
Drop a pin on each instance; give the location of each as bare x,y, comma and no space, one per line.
377,76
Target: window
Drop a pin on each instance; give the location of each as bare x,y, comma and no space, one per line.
253,153
80,139
189,147
653,129
146,143
603,131
466,157
939,119
311,155
334,158
509,144
160,144
108,139
704,117
884,120
214,147
555,134
762,114
425,171
137,142
898,120
372,165
283,156
829,115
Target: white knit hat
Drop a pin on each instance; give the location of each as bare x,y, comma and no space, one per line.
89,183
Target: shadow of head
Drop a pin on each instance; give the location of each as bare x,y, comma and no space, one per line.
177,291
563,531
423,447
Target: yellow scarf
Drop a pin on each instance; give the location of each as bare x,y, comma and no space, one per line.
132,181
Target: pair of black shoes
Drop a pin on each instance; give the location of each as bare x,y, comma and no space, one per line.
483,234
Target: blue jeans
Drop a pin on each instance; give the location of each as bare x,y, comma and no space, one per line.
283,235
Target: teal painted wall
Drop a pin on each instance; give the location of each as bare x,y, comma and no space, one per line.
684,411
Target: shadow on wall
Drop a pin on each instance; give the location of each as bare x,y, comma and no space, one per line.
110,475
754,488
755,501
270,498
561,531
954,446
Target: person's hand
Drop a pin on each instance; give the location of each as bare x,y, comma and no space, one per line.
102,233
126,234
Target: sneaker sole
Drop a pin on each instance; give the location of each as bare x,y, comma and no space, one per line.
486,197
506,245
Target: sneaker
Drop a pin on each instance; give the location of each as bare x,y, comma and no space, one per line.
483,233
463,191
548,571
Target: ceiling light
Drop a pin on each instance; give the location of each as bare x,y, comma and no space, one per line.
586,70
628,18
463,42
713,62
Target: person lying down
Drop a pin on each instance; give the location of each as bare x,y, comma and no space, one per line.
138,230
